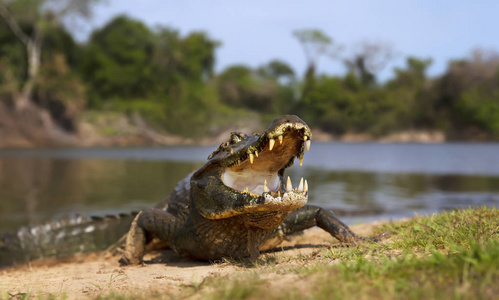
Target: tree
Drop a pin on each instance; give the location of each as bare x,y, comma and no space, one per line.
199,51
478,108
29,20
239,87
368,59
408,97
12,64
276,69
467,95
282,78
118,60
414,75
315,44
267,89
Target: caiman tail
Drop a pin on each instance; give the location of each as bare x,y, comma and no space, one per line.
62,238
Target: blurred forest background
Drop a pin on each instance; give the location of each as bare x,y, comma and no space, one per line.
131,84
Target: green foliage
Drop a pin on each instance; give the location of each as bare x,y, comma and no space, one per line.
179,59
277,70
159,75
58,41
343,105
239,88
35,50
313,36
117,61
467,96
479,106
199,56
12,57
196,112
168,79
408,97
268,89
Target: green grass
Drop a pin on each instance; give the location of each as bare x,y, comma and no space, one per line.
469,274
453,255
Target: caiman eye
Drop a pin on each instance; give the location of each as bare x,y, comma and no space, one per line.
235,138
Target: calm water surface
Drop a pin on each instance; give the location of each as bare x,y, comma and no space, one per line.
360,181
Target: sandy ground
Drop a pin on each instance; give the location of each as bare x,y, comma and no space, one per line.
164,272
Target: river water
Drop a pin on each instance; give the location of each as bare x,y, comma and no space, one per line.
361,182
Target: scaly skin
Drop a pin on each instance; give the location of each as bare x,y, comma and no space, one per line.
211,215
61,238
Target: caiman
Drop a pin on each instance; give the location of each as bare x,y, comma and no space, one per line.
238,203
235,206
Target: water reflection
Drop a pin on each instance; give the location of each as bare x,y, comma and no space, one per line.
33,190
398,194
37,189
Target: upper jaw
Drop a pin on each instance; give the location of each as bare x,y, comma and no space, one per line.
279,144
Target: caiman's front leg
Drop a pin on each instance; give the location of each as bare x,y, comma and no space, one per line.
310,216
152,221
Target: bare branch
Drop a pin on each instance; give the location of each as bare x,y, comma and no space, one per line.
376,55
12,23
60,9
315,43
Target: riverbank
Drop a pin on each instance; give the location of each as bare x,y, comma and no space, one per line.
451,255
33,128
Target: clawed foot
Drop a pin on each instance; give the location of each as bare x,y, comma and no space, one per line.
125,261
376,238
360,239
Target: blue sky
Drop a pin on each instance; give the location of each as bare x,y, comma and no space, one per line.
255,32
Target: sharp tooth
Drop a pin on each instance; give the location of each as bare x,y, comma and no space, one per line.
308,144
301,160
252,158
305,187
256,153
246,190
305,138
289,186
280,139
300,186
278,193
271,144
265,187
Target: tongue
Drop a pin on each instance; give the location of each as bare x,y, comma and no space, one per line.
251,180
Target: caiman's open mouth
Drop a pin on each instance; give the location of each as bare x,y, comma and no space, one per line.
259,171
245,175
254,165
